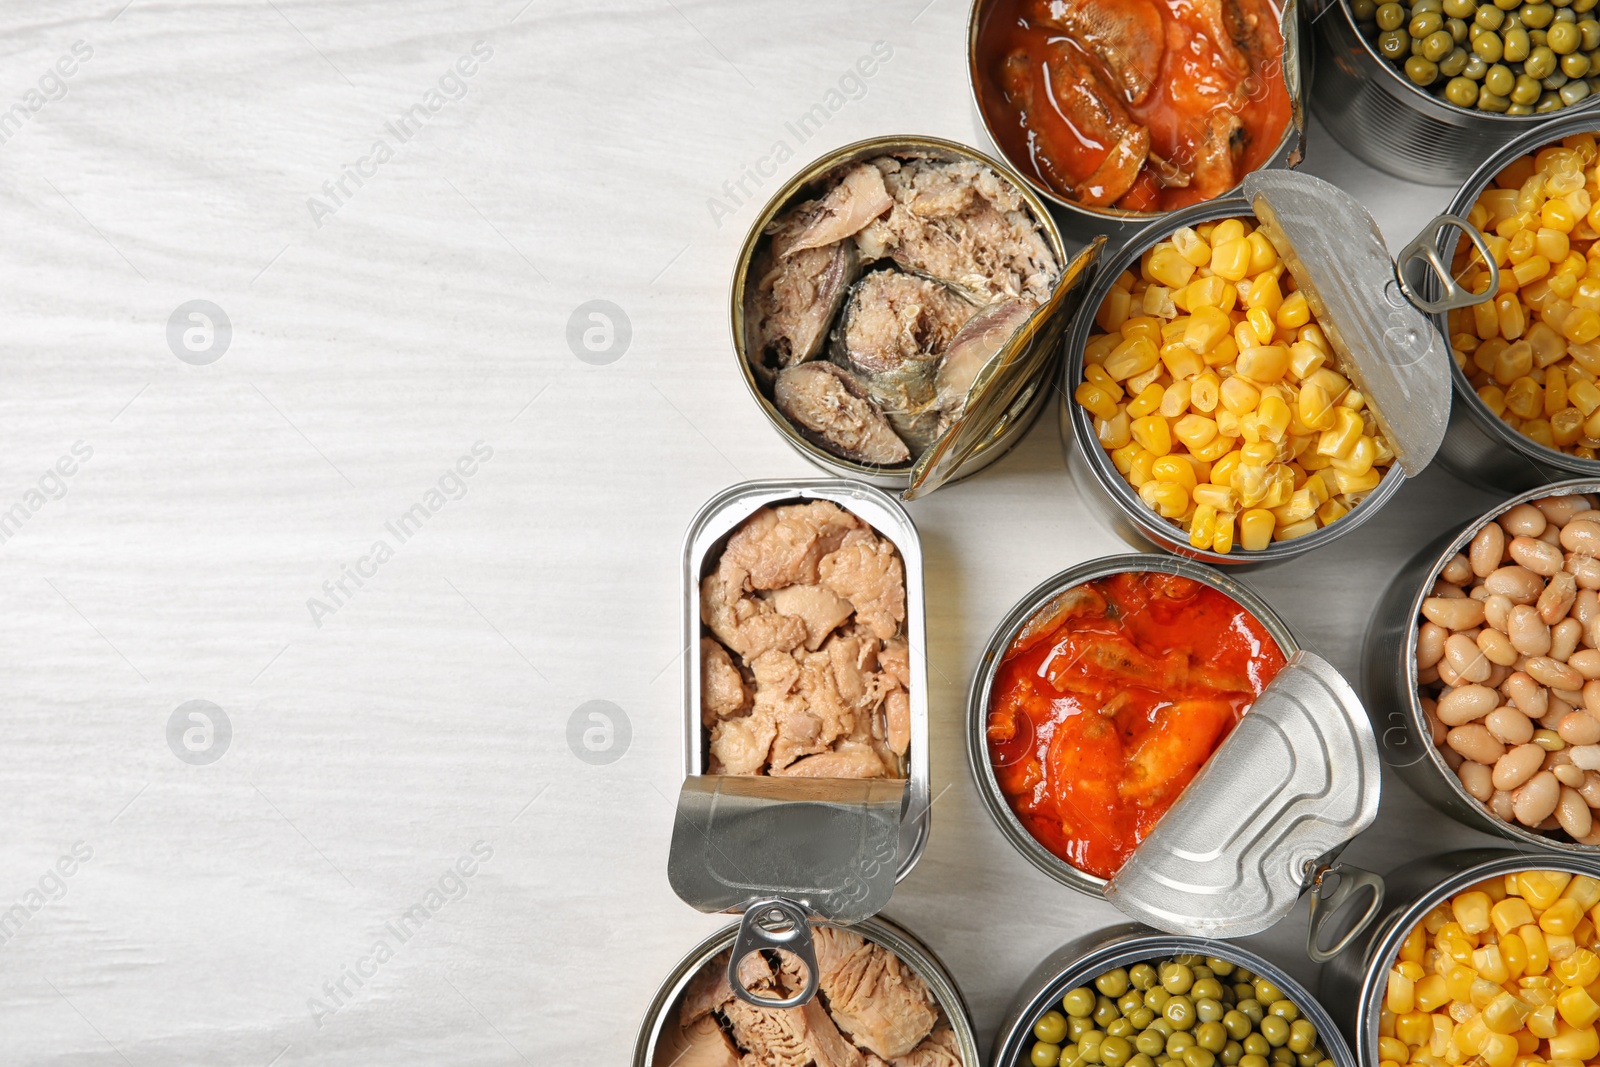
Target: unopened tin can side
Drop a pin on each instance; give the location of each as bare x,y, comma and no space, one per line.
704,540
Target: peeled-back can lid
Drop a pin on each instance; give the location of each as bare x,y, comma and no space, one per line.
1008,378
1386,346
826,844
1296,779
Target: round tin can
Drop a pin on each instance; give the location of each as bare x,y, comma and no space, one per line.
1115,502
1356,980
1082,961
1479,447
879,930
1389,668
1038,340
1380,117
1081,222
1288,833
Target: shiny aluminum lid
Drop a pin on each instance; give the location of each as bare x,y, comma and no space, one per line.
1004,384
1371,315
1292,783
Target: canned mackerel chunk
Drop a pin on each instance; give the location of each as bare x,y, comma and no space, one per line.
1484,646
897,309
805,790
1130,997
1121,113
1526,365
883,996
1131,713
1252,378
1524,927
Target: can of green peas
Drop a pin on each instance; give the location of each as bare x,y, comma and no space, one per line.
1130,997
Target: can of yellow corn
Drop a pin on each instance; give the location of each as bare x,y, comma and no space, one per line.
1255,377
1526,367
1512,933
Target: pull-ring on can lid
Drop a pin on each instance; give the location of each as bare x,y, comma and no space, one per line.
1386,346
1296,779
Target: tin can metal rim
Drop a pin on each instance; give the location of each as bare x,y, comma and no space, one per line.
1417,720
983,682
879,930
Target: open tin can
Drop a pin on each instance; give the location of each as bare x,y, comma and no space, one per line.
1264,819
785,850
1080,962
1370,308
1008,391
663,1010
1389,665
1357,980
1083,223
1480,447
1385,120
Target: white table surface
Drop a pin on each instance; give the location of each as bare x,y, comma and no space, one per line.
428,712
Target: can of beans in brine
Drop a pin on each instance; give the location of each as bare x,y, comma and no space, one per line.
908,1005
1526,366
1252,378
1200,1002
1485,646
1147,729
1511,910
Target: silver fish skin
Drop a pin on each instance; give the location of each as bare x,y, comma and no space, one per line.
979,341
830,408
793,298
858,199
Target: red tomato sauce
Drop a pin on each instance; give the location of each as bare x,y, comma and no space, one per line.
1109,702
1060,139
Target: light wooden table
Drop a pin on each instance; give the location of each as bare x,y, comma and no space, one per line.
393,310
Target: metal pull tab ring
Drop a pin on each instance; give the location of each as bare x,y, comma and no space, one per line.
1326,903
1424,248
774,923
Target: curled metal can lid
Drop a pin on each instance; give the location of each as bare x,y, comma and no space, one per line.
827,844
1386,346
1295,780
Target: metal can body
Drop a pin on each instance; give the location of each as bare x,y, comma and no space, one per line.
1080,962
879,930
1114,501
1355,981
1480,448
1389,668
1385,120
703,544
1028,403
1082,224
983,682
